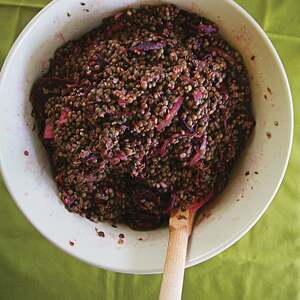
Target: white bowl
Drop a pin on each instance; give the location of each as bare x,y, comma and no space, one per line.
29,180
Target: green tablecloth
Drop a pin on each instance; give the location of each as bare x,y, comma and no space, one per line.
265,264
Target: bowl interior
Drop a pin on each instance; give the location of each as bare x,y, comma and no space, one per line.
238,207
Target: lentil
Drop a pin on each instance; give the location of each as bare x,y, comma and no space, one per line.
143,114
101,233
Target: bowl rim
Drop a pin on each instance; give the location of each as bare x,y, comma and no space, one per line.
235,237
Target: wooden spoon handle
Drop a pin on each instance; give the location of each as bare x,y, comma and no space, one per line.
172,281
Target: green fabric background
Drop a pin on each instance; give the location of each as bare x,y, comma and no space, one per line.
265,264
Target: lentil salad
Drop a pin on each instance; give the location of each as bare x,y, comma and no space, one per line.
143,114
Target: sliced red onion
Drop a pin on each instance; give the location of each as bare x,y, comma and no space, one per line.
148,45
122,156
63,117
90,178
199,153
203,145
163,148
118,15
207,28
69,200
197,96
173,202
170,116
48,131
121,102
91,158
195,158
197,205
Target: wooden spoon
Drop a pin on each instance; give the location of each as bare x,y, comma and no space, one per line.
180,227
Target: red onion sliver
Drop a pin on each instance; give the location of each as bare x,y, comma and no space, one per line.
199,154
195,206
207,28
170,116
147,46
48,131
63,117
197,96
